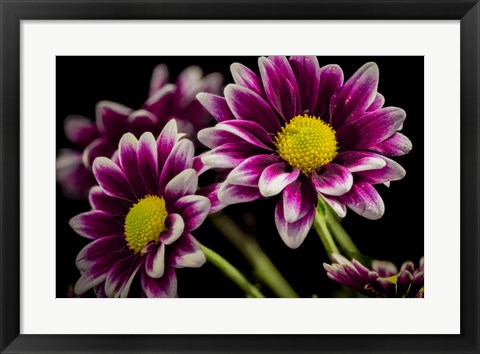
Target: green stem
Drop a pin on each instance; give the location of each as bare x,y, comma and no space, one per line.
341,237
233,273
263,267
320,225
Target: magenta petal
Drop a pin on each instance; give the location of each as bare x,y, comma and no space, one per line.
232,194
80,130
185,183
112,179
355,96
101,252
166,286
99,147
180,159
193,209
245,77
102,202
397,145
213,137
217,106
356,161
364,200
248,172
211,192
147,160
248,105
72,175
307,73
274,178
187,252
228,155
337,206
294,233
175,227
111,118
377,103
333,179
391,172
96,224
155,261
249,131
331,79
297,200
371,128
167,139
160,100
127,156
280,92
159,79
121,276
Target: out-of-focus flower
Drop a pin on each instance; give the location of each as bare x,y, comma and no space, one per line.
383,280
100,138
299,131
144,211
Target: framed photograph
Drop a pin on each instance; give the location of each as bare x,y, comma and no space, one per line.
186,177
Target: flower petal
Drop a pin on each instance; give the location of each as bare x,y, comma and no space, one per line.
96,224
377,103
211,192
397,145
147,160
159,79
294,233
391,172
111,118
112,179
121,276
180,159
72,175
187,253
274,178
371,128
102,202
249,131
127,156
158,102
364,200
228,155
307,73
233,194
213,137
185,183
217,106
166,286
193,209
356,161
80,130
155,261
248,105
333,179
248,172
99,147
167,139
175,227
297,201
280,91
331,79
337,206
355,96
245,77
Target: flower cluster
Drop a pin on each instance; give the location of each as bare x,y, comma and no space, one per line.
295,130
383,280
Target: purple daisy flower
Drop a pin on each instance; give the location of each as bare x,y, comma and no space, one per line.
165,101
143,213
299,131
383,280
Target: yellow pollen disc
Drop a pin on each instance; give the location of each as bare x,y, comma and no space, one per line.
306,142
144,222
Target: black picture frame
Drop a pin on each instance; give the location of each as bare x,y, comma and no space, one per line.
12,12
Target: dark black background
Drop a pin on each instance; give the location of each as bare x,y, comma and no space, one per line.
398,236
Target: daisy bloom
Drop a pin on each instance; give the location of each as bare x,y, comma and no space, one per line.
298,131
383,280
143,213
100,138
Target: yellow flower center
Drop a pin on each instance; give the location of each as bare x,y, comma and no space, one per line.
306,142
144,222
